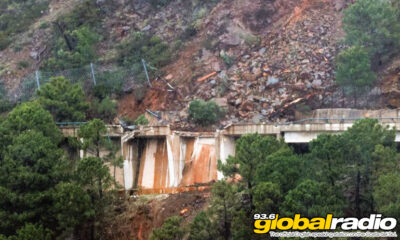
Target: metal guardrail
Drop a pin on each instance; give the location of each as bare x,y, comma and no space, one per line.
338,119
63,124
326,120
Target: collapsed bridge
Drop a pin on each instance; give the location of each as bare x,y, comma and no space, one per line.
158,159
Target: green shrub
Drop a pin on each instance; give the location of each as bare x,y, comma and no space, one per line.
74,44
141,46
170,230
44,25
204,113
224,86
141,120
4,41
201,227
101,91
5,105
228,59
106,109
83,52
251,40
23,64
17,48
189,32
112,80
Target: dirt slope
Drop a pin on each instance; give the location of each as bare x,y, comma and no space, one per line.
136,218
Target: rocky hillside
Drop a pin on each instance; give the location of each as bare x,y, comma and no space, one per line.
262,60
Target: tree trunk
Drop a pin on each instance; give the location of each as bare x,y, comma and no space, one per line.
66,38
250,186
357,195
226,223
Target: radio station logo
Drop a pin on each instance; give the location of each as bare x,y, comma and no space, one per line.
372,226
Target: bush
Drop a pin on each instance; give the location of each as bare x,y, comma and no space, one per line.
189,32
106,109
75,45
23,64
141,120
201,227
170,230
251,40
4,41
204,113
141,46
5,106
83,52
101,91
228,59
111,81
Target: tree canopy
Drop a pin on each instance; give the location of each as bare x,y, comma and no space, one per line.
65,101
353,71
373,25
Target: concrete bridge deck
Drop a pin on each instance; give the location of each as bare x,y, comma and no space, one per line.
158,159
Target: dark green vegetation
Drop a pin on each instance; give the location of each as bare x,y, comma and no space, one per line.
354,71
204,113
169,231
351,175
140,46
81,53
75,37
141,120
77,34
5,104
373,25
75,40
373,36
65,101
44,192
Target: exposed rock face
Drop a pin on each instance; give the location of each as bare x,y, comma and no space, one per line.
269,55
282,51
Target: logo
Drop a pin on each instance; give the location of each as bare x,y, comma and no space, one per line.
267,223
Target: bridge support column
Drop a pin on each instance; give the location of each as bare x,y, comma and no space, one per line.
225,148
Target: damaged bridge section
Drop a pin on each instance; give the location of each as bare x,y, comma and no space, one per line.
158,160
